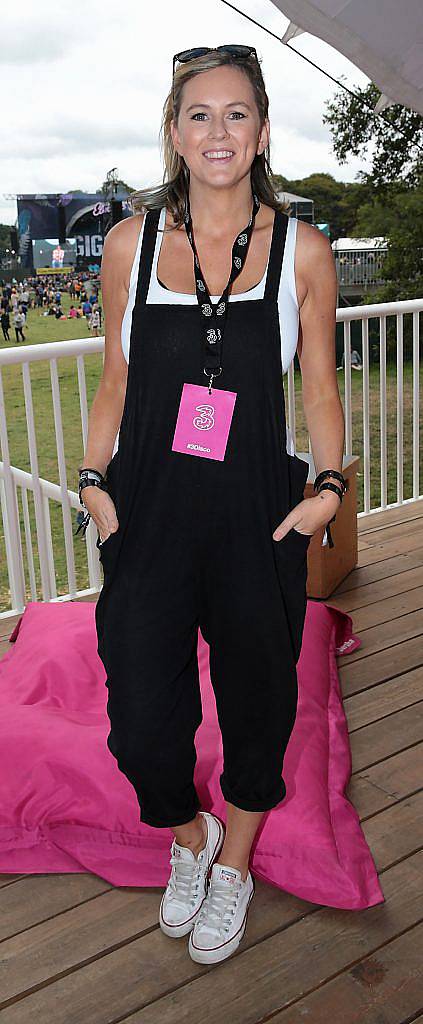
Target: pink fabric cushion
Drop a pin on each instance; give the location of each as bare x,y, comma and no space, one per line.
65,806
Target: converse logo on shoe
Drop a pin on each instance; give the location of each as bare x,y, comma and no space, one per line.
227,876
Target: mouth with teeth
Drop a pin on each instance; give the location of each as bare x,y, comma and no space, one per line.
221,155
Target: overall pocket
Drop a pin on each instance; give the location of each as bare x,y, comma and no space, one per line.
291,557
291,564
297,474
107,546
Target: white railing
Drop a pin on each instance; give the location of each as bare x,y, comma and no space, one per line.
15,482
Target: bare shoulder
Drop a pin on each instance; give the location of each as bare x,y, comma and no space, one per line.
120,245
311,241
314,261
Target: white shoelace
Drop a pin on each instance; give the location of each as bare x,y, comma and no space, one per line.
184,881
219,908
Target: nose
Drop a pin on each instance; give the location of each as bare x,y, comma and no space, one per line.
218,130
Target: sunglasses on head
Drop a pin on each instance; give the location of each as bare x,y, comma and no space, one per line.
235,50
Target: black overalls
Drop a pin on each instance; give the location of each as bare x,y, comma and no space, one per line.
194,549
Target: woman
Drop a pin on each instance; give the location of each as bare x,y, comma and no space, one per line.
210,532
19,320
5,324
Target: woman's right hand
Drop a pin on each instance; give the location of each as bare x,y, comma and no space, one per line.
102,510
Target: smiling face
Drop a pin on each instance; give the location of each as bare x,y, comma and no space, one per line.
218,131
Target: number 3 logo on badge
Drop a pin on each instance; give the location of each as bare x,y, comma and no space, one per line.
206,420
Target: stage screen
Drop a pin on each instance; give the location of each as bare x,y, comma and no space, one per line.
52,256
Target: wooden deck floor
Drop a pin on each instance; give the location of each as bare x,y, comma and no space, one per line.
75,950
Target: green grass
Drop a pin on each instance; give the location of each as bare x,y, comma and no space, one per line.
42,329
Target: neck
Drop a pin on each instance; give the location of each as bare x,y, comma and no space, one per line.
216,212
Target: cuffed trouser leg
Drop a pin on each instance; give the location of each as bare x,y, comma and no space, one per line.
149,649
255,683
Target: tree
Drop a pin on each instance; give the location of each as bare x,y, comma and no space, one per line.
393,139
393,207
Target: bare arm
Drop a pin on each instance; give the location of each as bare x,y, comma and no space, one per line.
107,406
317,291
322,404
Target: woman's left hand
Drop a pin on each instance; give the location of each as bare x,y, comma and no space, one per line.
309,515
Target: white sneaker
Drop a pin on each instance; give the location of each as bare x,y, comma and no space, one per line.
187,886
221,922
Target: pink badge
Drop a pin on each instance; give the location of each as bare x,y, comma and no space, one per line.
202,426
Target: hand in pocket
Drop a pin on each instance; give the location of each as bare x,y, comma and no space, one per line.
102,510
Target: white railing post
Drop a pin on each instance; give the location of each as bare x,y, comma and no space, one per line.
366,412
383,416
416,406
60,447
12,531
38,503
400,409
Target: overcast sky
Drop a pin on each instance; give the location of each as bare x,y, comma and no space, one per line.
83,87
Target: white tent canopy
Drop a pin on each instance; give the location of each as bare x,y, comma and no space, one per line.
384,38
359,244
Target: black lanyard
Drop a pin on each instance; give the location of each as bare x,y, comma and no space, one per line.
214,317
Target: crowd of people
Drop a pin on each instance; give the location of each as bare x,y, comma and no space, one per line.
46,294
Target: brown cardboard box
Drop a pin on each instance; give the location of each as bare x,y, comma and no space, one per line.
327,566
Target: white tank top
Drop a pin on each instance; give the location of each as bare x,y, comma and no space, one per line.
287,297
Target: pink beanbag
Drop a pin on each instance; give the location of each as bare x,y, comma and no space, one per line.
66,807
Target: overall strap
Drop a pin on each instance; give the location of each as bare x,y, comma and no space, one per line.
277,249
146,255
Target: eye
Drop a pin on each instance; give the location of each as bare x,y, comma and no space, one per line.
201,113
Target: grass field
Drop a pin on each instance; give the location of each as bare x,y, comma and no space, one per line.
43,329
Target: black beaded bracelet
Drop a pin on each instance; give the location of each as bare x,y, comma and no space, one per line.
89,482
320,485
330,472
88,477
331,487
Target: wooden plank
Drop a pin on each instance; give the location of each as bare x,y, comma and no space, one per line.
378,701
380,667
385,635
389,547
387,610
8,624
378,535
379,740
399,828
390,516
36,898
384,988
7,879
366,574
387,782
362,597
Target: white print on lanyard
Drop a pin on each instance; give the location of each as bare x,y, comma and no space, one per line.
202,426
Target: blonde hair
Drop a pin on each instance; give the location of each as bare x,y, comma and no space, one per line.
174,191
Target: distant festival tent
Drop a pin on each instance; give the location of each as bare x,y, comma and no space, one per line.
383,38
